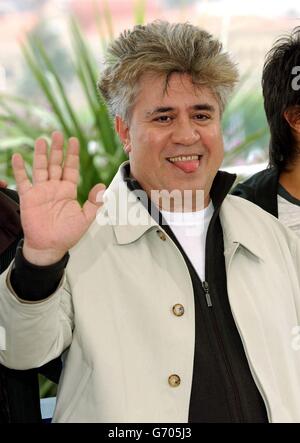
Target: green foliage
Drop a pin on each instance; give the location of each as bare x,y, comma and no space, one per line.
22,122
244,124
50,39
47,387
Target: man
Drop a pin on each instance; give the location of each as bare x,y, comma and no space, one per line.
277,189
149,331
19,390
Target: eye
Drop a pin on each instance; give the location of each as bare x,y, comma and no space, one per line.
163,119
202,117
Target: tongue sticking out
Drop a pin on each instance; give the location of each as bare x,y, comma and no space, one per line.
187,166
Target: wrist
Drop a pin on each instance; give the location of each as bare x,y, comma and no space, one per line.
41,257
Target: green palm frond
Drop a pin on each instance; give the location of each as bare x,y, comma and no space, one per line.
22,121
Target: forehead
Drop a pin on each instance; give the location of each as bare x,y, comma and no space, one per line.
178,91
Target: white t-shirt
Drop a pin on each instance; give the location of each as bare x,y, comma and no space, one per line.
288,210
190,229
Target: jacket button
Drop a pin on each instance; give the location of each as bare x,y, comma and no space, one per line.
174,380
178,310
162,235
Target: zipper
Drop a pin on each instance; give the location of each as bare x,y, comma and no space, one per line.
228,367
205,287
221,347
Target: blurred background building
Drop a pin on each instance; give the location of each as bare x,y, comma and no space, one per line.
246,28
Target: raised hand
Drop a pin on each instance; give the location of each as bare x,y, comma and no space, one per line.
52,219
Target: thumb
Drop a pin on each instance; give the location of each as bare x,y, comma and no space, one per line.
94,201
96,194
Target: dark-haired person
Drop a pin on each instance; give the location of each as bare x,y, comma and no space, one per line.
277,188
19,390
178,301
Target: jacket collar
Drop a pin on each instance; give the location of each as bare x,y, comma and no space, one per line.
124,188
129,218
10,225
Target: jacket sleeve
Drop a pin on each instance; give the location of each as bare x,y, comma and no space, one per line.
34,333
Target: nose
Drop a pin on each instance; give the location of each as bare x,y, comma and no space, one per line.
184,133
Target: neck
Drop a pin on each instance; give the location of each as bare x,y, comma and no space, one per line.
290,179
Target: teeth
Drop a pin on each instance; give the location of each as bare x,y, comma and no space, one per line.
184,158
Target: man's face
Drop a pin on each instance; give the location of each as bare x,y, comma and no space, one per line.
174,138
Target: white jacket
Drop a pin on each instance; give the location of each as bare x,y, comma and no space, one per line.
112,314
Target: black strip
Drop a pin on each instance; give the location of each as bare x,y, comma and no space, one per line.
287,196
35,283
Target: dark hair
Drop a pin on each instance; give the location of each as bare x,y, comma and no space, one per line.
279,95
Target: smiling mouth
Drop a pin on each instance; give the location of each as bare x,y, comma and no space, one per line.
187,163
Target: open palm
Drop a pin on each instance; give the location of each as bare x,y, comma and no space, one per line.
52,219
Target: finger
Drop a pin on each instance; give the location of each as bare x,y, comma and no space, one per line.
56,156
94,202
71,165
96,194
22,181
40,161
3,184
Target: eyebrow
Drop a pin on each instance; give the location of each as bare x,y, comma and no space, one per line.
198,107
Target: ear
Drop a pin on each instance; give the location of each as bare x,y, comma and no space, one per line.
122,130
292,116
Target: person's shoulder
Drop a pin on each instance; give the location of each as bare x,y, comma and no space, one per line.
256,180
247,213
261,189
10,193
244,211
240,214
245,205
